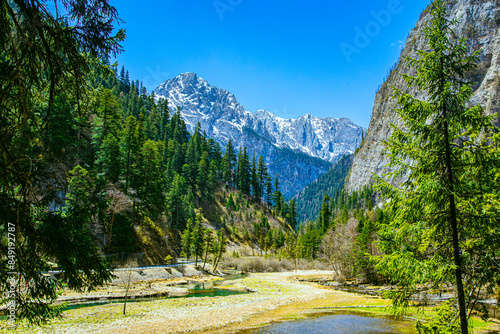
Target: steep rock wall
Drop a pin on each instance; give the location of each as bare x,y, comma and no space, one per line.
479,22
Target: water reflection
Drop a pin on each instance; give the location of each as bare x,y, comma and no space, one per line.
338,323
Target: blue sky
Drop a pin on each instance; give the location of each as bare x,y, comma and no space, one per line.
326,58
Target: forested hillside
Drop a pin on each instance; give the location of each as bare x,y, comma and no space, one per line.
145,176
309,199
91,166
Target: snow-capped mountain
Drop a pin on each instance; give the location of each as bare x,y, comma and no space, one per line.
324,138
298,150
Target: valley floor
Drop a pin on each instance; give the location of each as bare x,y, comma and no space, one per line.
276,297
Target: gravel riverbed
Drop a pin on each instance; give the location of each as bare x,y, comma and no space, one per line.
196,314
276,297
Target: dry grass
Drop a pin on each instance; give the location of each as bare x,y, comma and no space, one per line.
258,264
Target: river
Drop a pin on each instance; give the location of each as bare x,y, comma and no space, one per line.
340,323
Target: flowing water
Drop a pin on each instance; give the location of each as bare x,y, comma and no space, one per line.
195,289
341,323
493,309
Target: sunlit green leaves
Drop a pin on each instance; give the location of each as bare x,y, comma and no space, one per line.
447,156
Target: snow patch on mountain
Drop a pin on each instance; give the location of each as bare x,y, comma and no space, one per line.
221,116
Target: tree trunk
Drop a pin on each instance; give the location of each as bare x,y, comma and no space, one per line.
454,232
206,255
126,292
111,231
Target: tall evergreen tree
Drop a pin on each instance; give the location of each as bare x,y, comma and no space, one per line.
107,120
269,191
45,52
256,190
277,195
244,172
187,239
262,175
324,215
442,211
108,158
229,164
198,239
150,179
129,149
177,203
293,214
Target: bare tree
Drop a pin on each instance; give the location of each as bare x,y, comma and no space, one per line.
337,246
130,264
118,202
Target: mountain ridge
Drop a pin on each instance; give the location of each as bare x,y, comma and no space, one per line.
222,117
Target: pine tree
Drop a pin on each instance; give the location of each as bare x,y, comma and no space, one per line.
324,215
177,203
344,215
187,239
262,176
107,120
130,147
209,244
441,212
363,248
277,195
198,239
122,78
212,178
109,159
244,172
45,52
220,247
269,191
228,164
256,190
203,174
293,214
150,178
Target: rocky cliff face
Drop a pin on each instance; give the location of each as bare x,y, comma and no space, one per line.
298,150
479,22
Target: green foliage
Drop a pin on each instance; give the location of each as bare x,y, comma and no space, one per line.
446,321
230,203
308,241
187,239
310,199
363,248
444,226
219,247
244,172
44,60
89,160
228,164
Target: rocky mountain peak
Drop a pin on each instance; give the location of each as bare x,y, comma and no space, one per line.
478,21
321,141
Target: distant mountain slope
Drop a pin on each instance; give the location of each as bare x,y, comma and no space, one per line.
310,199
297,150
